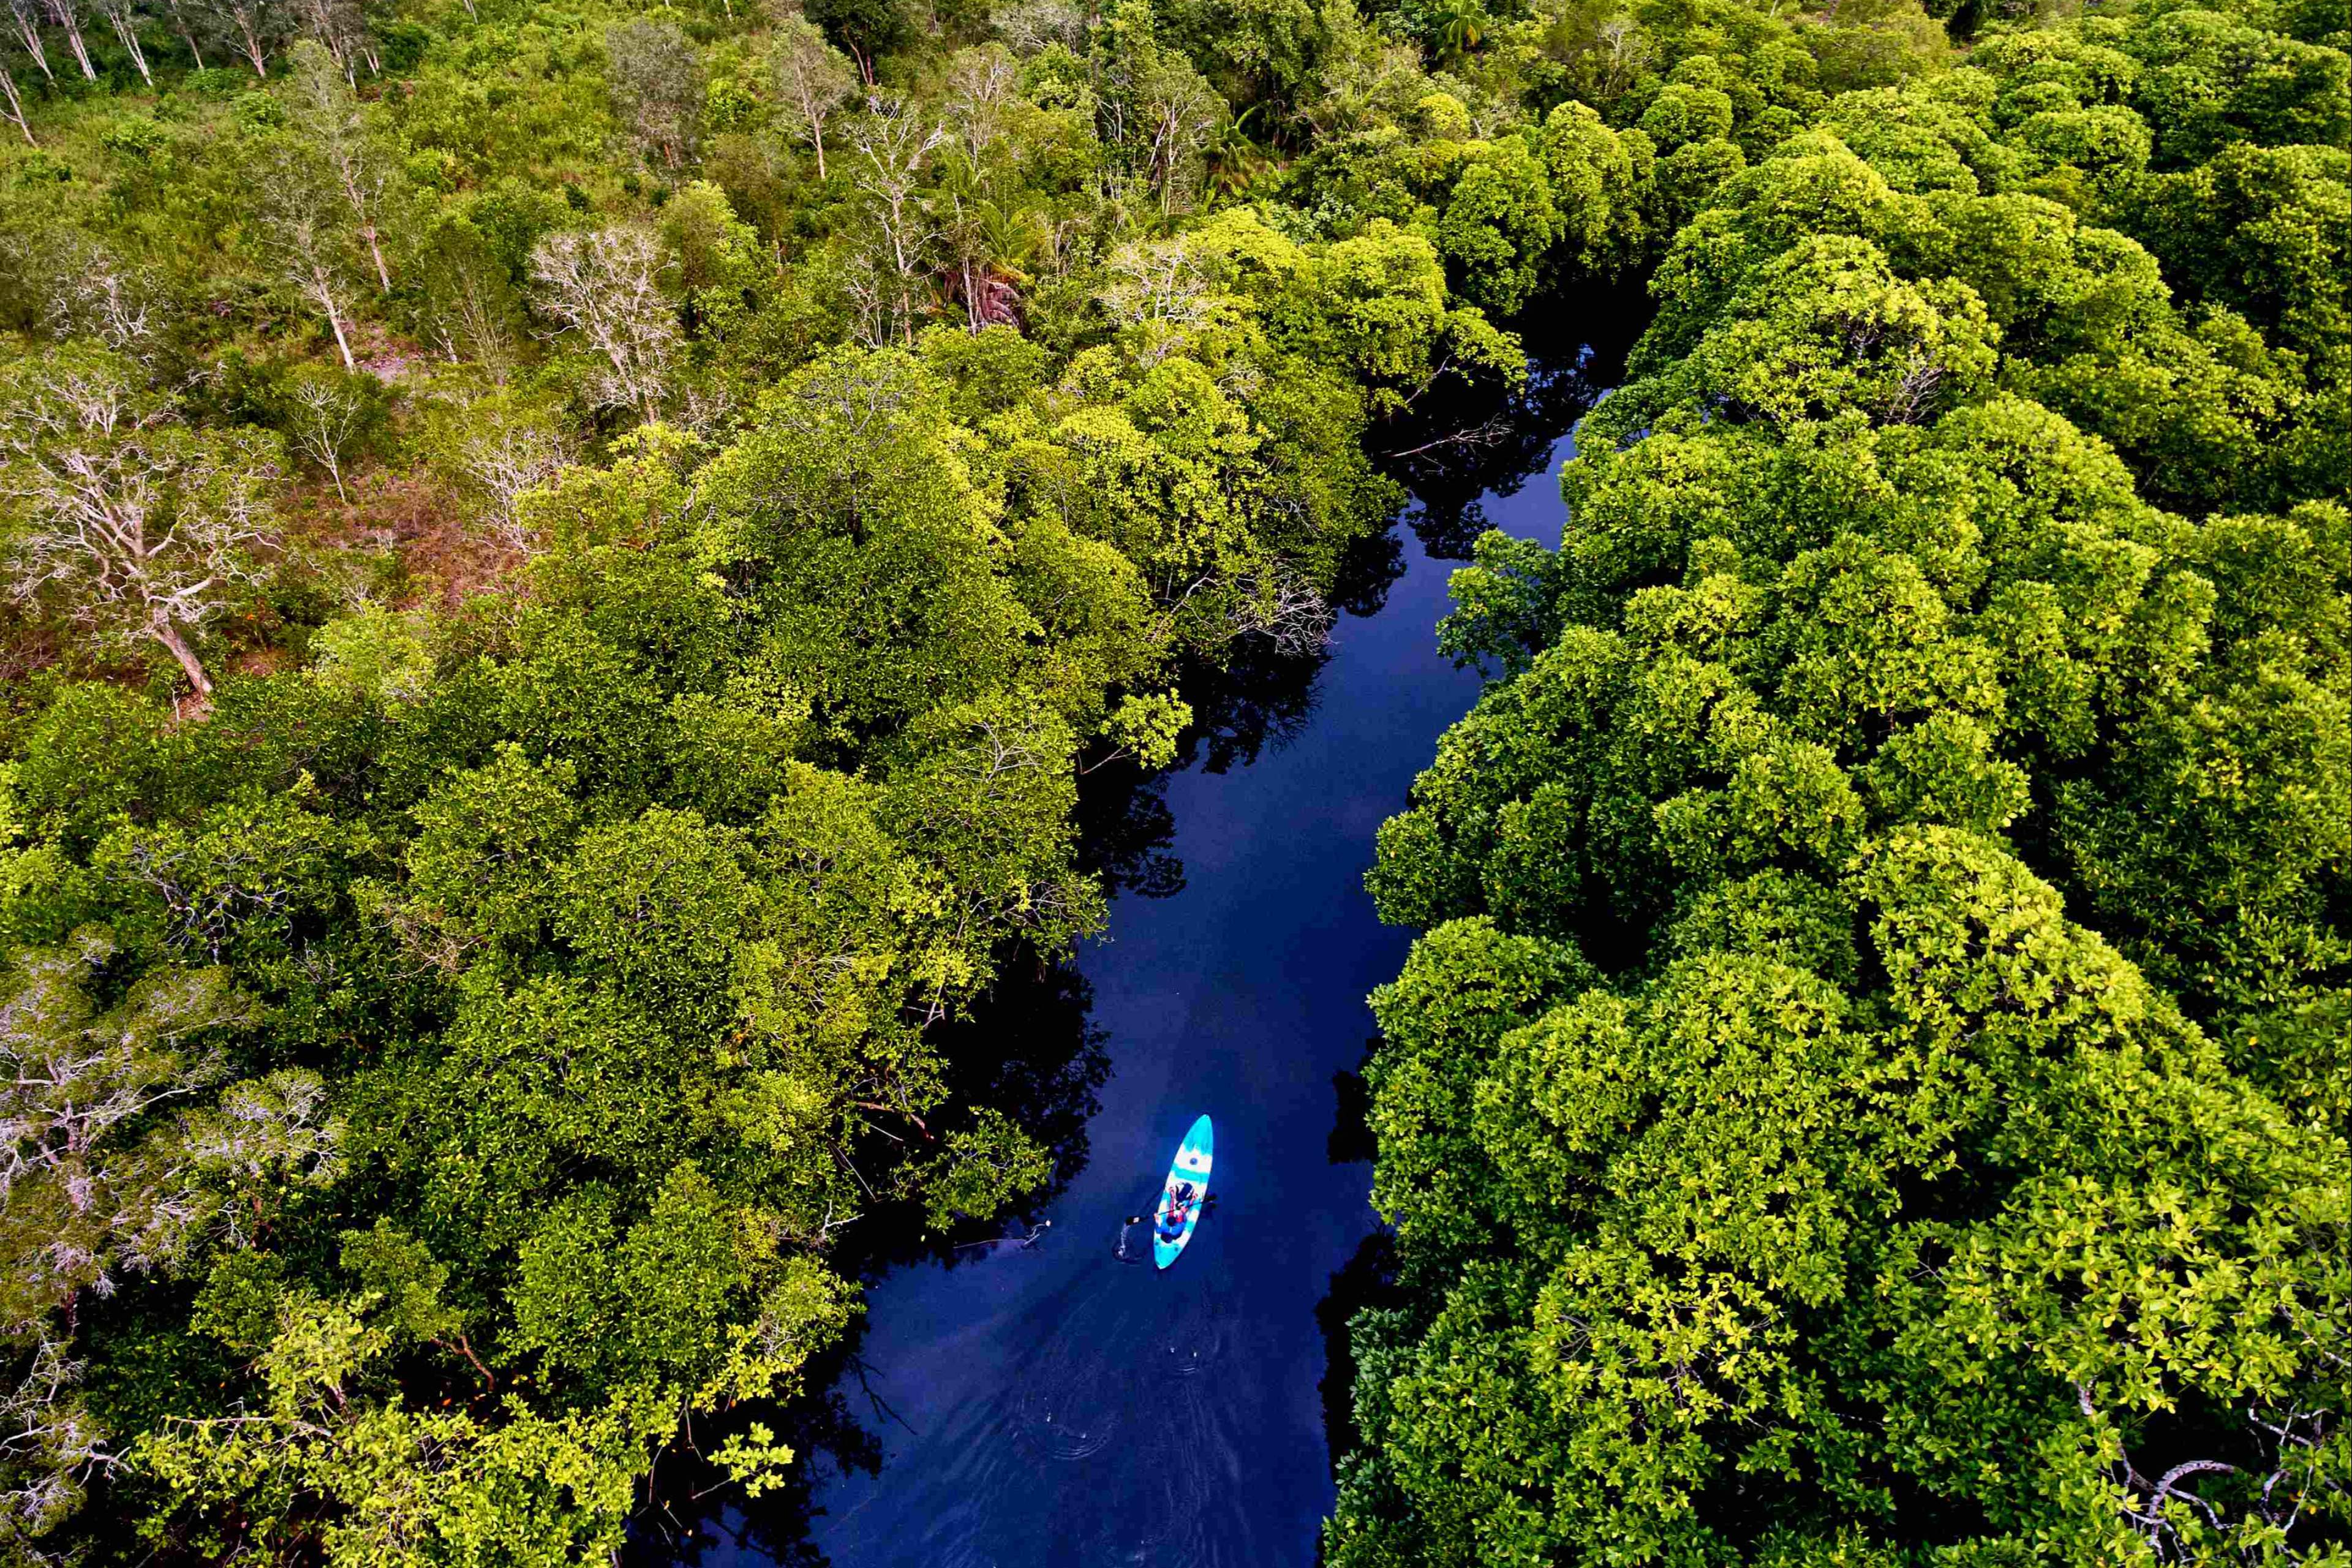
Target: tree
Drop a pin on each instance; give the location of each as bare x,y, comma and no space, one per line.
1178,115
1839,923
813,78
326,115
67,282
981,87
137,524
605,285
27,17
301,216
893,140
187,33
123,16
251,27
16,105
472,311
866,28
66,14
339,27
1499,226
1461,27
507,453
327,415
115,1167
657,85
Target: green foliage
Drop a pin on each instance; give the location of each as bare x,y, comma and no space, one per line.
1861,1090
651,515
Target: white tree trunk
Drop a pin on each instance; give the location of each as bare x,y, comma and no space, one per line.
254,52
130,37
169,635
335,320
29,32
187,34
63,12
15,104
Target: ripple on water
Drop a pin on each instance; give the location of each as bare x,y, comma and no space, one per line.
1112,1446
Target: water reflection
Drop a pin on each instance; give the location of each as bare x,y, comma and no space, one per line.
1458,455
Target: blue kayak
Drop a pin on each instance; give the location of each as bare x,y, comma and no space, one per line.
1180,1199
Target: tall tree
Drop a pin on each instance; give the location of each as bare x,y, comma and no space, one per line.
115,1166
123,16
66,15
340,27
304,222
326,114
15,104
894,140
251,28
814,78
657,85
27,16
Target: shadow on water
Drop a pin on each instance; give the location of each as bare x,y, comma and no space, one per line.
1457,455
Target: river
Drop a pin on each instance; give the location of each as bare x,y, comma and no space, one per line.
1053,1404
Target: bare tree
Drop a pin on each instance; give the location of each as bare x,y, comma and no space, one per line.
981,84
108,1162
657,84
473,321
123,16
137,523
27,17
251,26
508,458
1030,26
66,14
1157,289
327,113
324,419
1181,113
15,104
94,294
50,1445
1282,607
78,1187
893,141
301,221
1619,52
605,285
814,76
470,308
337,27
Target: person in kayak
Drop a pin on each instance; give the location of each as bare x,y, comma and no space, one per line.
1180,1209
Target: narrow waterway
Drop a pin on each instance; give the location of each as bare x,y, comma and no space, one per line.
1057,1404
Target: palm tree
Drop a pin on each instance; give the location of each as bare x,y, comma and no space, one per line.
1460,27
1236,161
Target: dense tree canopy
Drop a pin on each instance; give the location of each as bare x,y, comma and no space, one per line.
1873,1082
566,565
